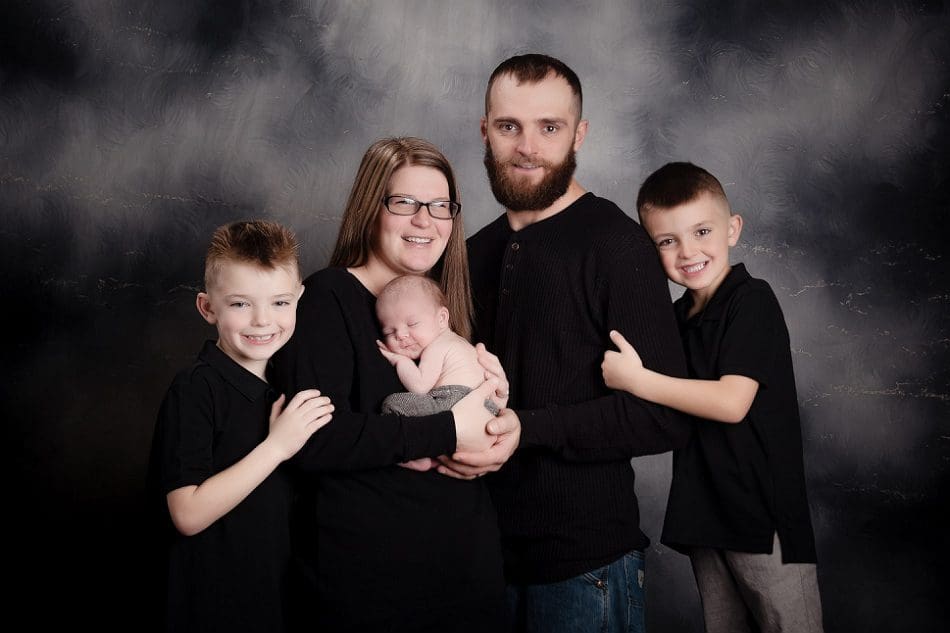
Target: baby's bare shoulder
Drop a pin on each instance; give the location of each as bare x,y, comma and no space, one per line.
458,344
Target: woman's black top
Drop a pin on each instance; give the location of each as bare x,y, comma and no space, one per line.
385,548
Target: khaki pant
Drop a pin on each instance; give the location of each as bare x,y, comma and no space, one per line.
756,593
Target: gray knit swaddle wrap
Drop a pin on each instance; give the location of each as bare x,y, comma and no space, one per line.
437,400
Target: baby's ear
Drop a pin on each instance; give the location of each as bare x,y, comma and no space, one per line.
203,303
443,315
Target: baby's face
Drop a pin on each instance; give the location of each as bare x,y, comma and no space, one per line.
410,323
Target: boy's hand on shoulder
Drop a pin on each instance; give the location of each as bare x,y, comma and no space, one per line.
621,368
390,356
292,425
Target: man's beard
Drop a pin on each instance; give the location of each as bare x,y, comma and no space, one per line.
521,196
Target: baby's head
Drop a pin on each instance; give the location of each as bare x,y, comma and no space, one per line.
412,313
252,284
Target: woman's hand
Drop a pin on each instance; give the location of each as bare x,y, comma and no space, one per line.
493,369
422,464
506,431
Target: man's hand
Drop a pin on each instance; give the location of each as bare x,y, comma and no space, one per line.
493,369
506,431
471,419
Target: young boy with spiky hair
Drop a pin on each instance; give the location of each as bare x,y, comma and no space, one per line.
737,502
221,434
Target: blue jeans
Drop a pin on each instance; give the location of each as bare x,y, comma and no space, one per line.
606,600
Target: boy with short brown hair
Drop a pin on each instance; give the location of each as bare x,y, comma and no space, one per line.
737,505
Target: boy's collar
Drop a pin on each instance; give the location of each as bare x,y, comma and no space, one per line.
714,307
250,386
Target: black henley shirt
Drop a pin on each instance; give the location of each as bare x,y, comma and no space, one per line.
546,298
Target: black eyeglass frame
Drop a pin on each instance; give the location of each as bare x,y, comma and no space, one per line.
453,207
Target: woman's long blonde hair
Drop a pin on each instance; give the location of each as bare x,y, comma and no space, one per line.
357,236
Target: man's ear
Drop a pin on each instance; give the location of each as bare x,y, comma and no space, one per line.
735,228
203,303
580,134
484,129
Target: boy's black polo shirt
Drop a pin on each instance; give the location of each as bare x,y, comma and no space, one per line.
230,576
734,485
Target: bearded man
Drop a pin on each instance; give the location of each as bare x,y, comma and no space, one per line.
552,277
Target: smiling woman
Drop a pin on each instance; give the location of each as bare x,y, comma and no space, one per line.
408,244
420,547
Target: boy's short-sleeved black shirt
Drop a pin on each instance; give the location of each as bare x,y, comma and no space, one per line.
231,575
735,485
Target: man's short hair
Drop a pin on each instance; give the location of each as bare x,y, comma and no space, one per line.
534,68
674,184
259,242
405,284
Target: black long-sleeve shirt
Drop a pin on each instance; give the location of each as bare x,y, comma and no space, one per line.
546,298
396,549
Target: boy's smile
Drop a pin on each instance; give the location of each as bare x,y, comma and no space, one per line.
254,309
695,268
693,240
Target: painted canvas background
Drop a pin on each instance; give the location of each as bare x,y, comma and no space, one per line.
129,130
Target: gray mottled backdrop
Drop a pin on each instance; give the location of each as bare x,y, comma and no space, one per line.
129,130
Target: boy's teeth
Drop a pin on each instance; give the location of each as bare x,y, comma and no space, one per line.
695,267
